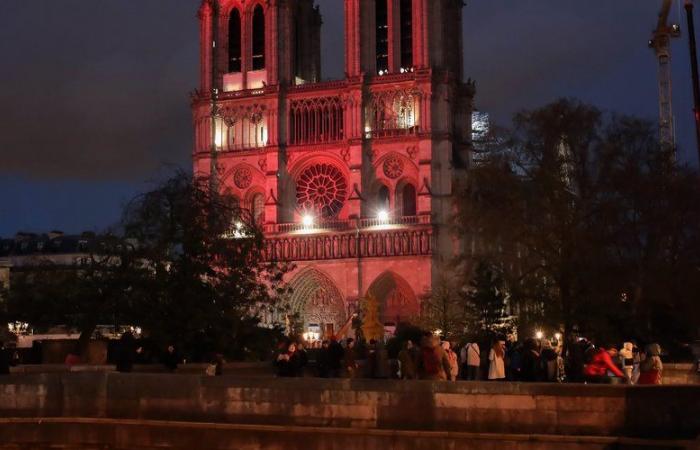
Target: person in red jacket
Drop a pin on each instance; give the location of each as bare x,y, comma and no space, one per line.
601,368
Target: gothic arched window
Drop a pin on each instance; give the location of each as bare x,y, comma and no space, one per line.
383,198
258,38
406,34
408,200
258,208
234,41
382,20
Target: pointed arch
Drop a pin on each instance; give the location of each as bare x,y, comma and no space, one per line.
234,41
406,19
258,38
397,300
382,36
406,199
317,300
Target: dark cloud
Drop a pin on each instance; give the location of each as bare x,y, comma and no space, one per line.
98,89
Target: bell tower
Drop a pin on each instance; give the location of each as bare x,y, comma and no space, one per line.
259,43
352,179
395,36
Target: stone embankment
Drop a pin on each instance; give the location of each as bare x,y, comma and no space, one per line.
122,411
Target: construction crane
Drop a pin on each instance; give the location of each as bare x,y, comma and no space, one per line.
694,71
660,42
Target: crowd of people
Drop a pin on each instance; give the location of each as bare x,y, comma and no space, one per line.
534,360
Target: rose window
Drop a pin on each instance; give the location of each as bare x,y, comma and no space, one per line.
393,167
322,188
242,178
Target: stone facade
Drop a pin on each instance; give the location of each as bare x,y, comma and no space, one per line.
351,179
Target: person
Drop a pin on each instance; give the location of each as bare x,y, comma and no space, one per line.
218,364
636,364
651,367
336,356
531,364
407,362
371,359
350,358
303,359
514,361
171,359
627,360
289,362
601,368
5,359
497,370
471,361
323,360
433,363
381,361
126,353
549,360
452,358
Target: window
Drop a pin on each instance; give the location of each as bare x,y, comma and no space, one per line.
234,41
406,34
258,208
258,38
315,120
408,200
382,18
383,198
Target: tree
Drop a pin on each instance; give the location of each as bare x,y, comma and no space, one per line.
100,288
486,304
189,268
445,309
209,280
589,220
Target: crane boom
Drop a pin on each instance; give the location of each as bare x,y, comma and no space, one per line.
661,43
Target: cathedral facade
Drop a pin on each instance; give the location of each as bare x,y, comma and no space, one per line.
352,180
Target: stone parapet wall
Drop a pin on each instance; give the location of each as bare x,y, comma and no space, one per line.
584,410
103,434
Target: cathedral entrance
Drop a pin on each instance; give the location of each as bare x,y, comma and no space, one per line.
318,303
396,299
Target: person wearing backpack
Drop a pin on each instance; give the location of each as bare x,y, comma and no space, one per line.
433,363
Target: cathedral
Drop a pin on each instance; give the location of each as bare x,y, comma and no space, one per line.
352,180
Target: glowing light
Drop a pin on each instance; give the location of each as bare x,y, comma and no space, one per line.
557,336
383,216
239,226
539,335
311,336
307,221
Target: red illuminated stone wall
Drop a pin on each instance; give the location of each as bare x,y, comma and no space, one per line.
369,162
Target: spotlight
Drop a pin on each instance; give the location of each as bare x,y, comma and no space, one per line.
307,221
557,336
383,216
539,335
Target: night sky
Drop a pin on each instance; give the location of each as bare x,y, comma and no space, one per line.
94,94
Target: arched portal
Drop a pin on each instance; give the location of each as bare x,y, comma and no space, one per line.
317,301
397,300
